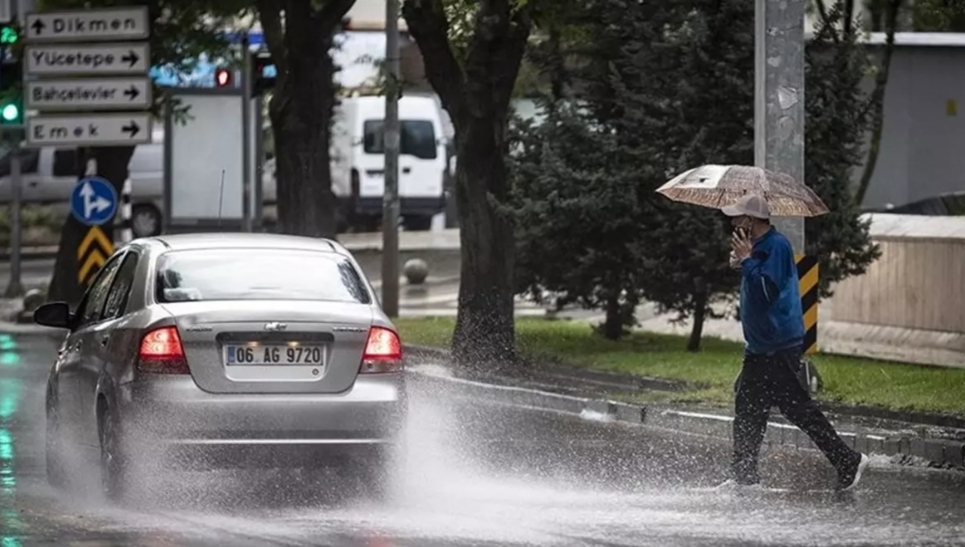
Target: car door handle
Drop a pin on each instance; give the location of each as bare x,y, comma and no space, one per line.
406,170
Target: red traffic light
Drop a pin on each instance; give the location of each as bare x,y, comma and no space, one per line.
222,77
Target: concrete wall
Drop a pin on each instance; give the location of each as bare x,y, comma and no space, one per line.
924,123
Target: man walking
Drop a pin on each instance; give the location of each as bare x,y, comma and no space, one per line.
770,310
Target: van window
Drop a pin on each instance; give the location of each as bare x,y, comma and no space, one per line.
418,138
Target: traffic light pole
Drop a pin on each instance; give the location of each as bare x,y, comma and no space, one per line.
246,132
15,288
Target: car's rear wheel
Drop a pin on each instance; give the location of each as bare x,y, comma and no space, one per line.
112,464
53,450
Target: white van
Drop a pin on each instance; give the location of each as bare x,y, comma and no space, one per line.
49,175
358,161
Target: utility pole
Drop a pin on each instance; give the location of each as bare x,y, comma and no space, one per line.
779,97
246,83
390,199
15,287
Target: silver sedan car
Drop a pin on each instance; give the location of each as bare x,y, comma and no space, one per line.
224,350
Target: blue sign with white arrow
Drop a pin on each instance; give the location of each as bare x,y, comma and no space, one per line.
94,201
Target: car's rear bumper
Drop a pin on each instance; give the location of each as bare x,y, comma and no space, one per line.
204,454
179,419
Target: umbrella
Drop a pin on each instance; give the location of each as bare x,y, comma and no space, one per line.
717,186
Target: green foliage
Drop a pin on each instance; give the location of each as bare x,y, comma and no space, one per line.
938,15
671,86
578,218
838,118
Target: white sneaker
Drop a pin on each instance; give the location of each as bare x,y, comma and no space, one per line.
850,479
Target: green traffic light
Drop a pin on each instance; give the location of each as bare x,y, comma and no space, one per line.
10,113
9,35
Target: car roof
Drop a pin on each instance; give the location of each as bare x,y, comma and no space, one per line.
217,240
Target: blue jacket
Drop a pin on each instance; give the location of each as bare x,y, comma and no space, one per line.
770,302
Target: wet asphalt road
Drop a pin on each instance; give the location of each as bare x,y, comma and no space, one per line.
477,474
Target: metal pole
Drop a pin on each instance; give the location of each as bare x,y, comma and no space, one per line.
390,199
246,132
15,288
125,232
779,97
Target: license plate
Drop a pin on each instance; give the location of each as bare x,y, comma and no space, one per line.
273,355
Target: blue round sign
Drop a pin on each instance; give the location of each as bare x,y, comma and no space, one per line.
93,201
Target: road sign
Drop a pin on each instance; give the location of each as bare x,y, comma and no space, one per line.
92,253
88,25
89,129
89,94
93,201
87,59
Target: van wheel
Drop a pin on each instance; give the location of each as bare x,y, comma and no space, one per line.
145,221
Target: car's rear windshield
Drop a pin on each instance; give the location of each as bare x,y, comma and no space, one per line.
258,274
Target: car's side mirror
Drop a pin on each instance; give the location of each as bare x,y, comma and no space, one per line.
54,314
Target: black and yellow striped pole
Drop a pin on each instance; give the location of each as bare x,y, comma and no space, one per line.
807,274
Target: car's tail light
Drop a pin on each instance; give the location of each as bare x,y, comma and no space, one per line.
383,352
162,353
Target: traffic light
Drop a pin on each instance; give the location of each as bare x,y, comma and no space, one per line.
11,76
9,35
263,73
222,77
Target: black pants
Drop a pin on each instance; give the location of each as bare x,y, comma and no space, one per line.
772,380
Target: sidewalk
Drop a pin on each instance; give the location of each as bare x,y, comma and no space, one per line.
592,393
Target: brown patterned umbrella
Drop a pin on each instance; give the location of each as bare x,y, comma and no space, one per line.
717,186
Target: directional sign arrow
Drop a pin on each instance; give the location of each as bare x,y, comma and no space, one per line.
132,128
89,129
92,202
38,27
86,94
131,58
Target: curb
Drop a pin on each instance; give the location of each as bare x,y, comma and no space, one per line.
939,453
44,252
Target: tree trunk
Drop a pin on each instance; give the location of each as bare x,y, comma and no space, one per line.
477,94
300,41
301,116
700,315
613,324
878,101
485,328
112,164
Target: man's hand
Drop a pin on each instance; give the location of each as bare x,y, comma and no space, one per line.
741,246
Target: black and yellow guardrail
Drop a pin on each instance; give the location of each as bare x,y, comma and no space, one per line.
94,250
807,274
